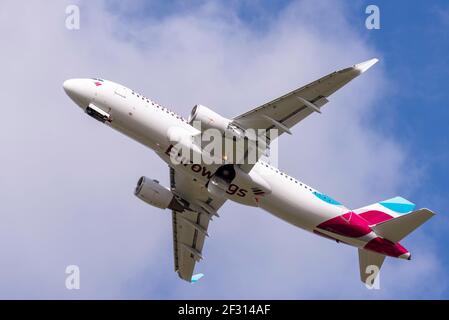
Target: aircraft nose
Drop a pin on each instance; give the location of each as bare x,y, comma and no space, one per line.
69,86
74,87
78,91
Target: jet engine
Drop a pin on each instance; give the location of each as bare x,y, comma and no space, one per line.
208,118
151,192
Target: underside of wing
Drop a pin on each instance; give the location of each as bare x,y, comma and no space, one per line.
286,111
190,226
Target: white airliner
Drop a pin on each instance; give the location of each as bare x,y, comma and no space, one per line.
198,190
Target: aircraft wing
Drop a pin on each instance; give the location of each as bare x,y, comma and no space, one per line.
190,226
286,111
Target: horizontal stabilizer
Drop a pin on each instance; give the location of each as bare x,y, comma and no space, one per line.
398,228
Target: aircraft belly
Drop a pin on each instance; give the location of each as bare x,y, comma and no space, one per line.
139,125
287,200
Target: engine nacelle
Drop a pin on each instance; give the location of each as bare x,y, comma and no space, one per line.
208,118
156,195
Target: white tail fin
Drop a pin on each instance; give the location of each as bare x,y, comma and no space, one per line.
385,210
398,228
370,264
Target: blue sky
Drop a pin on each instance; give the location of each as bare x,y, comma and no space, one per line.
383,135
414,46
414,43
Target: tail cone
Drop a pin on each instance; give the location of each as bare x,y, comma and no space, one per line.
406,256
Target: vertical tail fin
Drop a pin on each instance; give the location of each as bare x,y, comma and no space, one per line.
370,264
391,220
385,210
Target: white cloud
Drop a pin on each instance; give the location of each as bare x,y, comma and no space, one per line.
67,181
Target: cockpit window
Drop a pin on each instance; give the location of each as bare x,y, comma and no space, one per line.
98,79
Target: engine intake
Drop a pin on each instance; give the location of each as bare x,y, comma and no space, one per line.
151,192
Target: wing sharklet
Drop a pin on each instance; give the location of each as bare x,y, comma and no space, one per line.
363,66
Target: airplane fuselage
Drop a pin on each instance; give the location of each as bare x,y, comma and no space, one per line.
289,199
